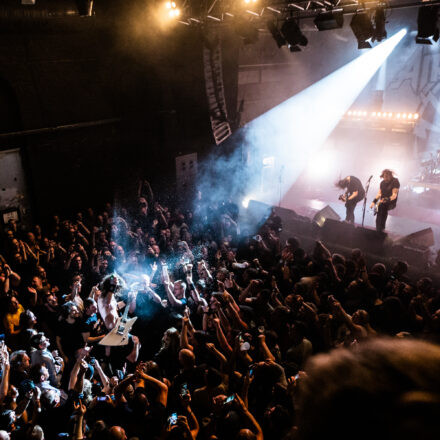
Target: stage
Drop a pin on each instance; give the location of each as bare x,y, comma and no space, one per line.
406,219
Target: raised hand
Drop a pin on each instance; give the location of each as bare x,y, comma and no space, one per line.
80,408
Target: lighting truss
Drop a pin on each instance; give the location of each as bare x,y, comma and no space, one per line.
217,12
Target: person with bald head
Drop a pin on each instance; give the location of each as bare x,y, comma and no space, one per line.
117,433
190,373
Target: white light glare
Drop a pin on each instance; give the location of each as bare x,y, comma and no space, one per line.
245,202
299,126
268,161
321,164
419,189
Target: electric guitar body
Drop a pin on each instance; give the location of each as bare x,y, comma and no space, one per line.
120,332
380,201
119,335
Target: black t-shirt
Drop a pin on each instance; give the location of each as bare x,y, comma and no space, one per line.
93,325
386,188
71,338
355,185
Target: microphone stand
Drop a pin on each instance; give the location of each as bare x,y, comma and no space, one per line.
367,187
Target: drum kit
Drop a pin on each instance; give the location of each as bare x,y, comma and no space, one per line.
430,169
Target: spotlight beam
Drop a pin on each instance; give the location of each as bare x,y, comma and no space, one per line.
298,127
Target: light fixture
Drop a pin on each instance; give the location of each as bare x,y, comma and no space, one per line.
362,29
427,19
329,20
246,30
380,32
85,7
293,35
173,10
275,32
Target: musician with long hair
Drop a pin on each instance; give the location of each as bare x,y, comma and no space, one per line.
354,193
111,286
386,198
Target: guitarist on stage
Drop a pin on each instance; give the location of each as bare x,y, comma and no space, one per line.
386,198
354,193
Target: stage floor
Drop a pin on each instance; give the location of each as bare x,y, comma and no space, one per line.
403,220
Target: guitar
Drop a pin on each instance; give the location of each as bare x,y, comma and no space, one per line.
343,197
378,203
120,332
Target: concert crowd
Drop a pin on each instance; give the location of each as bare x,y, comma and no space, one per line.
236,336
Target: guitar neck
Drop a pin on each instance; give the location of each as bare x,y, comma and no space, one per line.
127,306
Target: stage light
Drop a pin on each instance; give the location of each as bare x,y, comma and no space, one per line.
410,116
173,10
329,20
362,29
349,113
398,115
275,32
390,115
297,128
373,114
246,30
416,116
364,114
379,33
427,19
379,114
404,116
293,35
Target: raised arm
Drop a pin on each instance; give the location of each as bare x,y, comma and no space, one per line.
221,337
4,385
162,396
184,334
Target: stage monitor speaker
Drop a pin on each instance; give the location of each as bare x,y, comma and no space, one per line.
338,233
285,214
369,240
420,239
258,209
325,213
416,257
